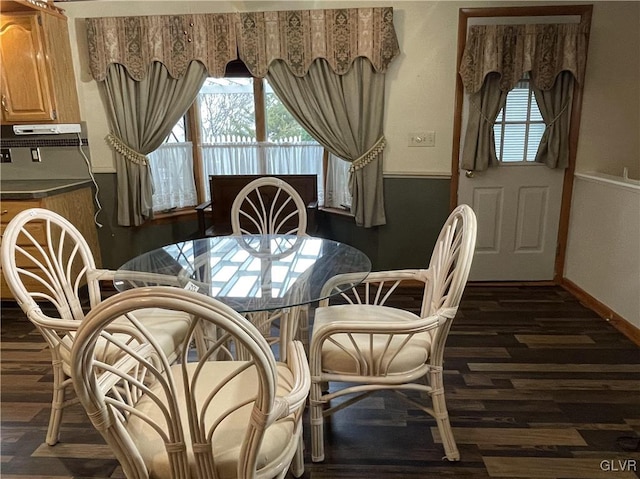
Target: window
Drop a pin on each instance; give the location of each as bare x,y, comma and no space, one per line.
244,129
234,142
172,171
519,126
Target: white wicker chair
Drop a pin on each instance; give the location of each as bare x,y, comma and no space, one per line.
268,206
271,206
216,417
374,347
46,262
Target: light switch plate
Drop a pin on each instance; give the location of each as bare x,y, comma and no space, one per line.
423,138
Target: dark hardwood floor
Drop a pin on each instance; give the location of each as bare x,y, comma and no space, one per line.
537,385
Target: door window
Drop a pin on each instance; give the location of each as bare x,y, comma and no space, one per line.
519,126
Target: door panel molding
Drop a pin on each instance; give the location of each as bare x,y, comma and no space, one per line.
532,202
488,205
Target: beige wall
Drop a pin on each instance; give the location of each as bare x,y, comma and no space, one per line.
421,81
611,248
610,127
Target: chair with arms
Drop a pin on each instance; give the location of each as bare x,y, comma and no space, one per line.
213,417
372,346
270,206
47,262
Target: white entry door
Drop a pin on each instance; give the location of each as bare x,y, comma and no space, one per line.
518,211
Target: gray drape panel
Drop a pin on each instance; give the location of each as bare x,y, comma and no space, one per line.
555,107
479,150
141,114
344,113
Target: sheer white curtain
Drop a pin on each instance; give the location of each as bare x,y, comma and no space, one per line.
264,159
304,158
230,159
172,168
337,194
172,172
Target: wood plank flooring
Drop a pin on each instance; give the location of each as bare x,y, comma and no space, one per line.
537,385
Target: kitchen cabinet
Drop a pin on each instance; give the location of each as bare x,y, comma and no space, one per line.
38,82
74,202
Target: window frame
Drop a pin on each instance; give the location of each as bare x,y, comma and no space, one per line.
192,118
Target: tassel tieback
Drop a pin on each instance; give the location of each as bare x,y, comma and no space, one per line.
369,156
130,154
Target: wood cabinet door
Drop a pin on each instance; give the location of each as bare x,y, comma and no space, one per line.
26,84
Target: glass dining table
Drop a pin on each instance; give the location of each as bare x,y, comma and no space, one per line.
249,273
263,277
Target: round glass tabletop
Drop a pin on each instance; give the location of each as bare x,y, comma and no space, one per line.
248,273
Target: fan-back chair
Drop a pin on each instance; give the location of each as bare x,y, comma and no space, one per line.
368,346
213,417
47,264
268,206
213,215
271,206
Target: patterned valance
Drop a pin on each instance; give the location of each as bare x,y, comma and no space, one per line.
301,36
511,50
174,40
297,37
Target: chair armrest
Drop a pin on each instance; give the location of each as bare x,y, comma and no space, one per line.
365,326
312,222
380,283
101,275
203,206
201,210
296,398
142,278
58,324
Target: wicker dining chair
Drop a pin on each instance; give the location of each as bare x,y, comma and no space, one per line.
268,206
214,416
47,264
364,345
271,206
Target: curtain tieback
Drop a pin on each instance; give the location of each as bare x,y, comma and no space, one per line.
369,156
479,110
129,153
550,124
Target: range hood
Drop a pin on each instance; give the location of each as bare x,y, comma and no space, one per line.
52,129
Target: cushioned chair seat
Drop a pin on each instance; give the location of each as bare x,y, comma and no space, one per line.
404,357
229,436
167,327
